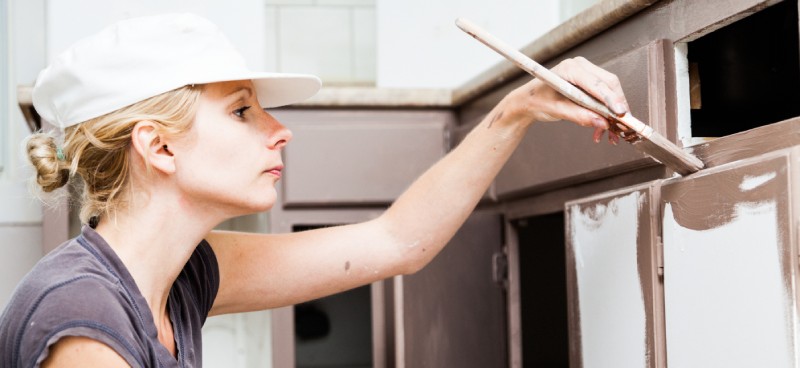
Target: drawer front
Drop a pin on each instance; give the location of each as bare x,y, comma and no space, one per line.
560,153
358,157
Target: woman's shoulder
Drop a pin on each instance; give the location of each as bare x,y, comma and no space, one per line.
70,270
69,292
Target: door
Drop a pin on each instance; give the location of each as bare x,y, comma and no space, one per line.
729,265
614,289
453,311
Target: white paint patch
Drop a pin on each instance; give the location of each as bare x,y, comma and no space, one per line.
753,182
612,316
726,303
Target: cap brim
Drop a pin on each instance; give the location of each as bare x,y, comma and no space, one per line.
274,89
281,89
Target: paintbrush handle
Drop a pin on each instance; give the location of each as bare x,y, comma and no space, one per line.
567,89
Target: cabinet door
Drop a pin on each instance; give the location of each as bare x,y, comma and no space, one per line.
729,266
453,312
558,154
614,290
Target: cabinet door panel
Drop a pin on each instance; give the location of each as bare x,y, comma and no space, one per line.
453,311
728,270
560,153
615,304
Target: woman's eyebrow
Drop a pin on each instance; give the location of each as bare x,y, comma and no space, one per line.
248,90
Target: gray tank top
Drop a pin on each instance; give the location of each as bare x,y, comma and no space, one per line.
83,289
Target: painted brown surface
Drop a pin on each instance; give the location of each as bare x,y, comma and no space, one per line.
563,153
647,258
709,200
553,200
454,313
749,143
358,157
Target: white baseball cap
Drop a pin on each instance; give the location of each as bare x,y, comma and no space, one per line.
139,58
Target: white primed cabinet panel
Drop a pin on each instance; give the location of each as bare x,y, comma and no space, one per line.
728,274
611,280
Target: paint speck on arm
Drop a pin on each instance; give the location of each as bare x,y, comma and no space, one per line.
347,266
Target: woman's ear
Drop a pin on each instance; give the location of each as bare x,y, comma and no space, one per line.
152,147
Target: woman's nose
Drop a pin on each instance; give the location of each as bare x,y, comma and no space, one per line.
279,134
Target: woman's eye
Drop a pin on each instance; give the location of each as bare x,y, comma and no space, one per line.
240,111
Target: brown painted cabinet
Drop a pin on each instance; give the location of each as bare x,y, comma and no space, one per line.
558,154
358,157
454,310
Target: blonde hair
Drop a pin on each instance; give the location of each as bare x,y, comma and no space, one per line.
98,149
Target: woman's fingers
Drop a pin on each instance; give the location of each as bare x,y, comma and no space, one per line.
599,83
543,103
598,133
596,81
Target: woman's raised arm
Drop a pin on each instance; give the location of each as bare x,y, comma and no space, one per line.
264,271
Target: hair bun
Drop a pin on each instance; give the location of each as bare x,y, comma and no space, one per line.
51,173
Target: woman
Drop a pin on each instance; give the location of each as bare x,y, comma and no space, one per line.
165,126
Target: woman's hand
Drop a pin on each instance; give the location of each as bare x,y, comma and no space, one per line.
536,101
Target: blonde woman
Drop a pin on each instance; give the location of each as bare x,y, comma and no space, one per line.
163,123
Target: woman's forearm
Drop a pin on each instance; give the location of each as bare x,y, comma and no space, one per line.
427,215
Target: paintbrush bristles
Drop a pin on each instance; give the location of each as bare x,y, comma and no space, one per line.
669,154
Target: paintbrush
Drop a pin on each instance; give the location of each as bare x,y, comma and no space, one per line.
641,135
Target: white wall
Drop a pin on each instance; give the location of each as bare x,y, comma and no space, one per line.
334,39
243,21
420,46
20,214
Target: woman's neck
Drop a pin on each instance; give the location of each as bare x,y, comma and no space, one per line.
154,241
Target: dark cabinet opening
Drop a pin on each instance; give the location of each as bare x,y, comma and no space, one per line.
543,291
746,74
334,331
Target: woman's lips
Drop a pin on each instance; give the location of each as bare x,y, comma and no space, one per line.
276,171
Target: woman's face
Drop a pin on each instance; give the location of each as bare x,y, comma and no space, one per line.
230,160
